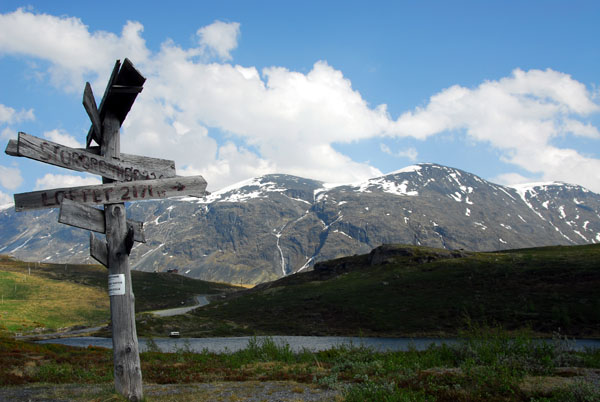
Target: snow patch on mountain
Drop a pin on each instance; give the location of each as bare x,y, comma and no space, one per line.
387,186
408,169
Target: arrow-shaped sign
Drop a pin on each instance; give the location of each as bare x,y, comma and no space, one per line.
113,193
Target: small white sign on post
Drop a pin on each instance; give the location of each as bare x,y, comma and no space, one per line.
116,285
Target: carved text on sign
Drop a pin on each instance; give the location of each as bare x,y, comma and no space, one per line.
81,160
113,193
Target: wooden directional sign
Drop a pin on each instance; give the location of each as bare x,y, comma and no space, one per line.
113,192
80,160
163,166
126,178
86,217
123,87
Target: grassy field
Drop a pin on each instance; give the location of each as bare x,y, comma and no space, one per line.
51,296
415,291
29,302
486,365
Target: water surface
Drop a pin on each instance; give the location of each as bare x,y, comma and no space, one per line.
296,343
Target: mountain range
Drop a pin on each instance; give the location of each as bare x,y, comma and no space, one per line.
275,225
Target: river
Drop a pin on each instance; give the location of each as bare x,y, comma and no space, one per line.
296,343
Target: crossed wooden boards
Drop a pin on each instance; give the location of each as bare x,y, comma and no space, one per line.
127,177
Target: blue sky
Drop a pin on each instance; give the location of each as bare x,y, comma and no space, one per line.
338,91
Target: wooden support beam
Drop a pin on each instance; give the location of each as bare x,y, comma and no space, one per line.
127,366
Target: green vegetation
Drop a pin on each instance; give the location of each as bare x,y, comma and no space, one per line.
51,296
414,291
488,364
30,301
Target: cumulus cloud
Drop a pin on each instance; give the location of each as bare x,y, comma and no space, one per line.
66,43
409,153
8,115
63,138
288,120
229,122
62,180
5,200
8,133
521,116
512,178
10,177
220,38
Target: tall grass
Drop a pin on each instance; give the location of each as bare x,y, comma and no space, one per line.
486,364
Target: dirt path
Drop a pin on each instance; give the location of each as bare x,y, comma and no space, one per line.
201,300
250,391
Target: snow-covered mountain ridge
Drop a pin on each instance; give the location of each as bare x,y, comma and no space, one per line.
274,225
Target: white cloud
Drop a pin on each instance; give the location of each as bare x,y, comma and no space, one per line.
10,178
63,138
409,153
8,115
520,116
220,38
230,122
512,178
66,43
59,181
8,133
288,120
6,200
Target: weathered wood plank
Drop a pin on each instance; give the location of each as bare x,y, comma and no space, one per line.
52,153
82,216
113,76
98,249
90,218
113,193
123,87
12,148
89,103
164,166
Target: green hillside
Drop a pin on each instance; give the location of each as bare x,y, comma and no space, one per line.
412,291
52,296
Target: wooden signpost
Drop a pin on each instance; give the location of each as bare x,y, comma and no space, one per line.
125,178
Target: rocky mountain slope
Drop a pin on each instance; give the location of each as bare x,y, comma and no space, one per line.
274,225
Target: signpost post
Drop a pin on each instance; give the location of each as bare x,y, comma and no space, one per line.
125,178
